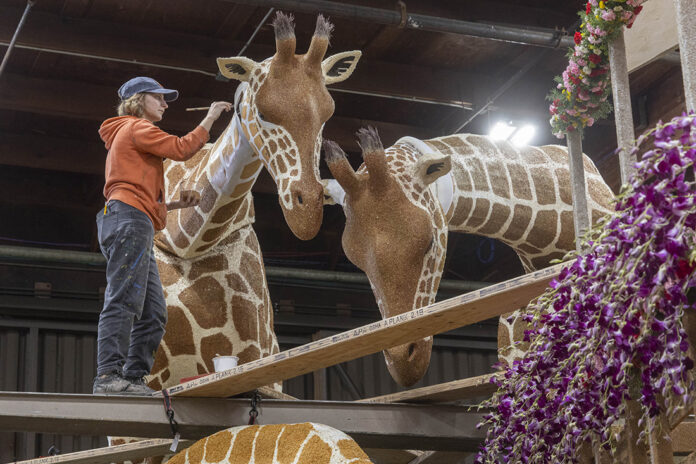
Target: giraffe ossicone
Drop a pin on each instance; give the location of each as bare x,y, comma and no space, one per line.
402,202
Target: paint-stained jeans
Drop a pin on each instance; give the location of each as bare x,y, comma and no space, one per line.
131,324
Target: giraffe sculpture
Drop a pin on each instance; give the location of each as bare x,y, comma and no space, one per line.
401,203
208,256
305,443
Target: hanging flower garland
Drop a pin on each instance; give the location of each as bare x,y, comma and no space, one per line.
613,315
580,97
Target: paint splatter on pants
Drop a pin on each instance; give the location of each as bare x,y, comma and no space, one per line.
131,324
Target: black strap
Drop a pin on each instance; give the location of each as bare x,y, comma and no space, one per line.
169,411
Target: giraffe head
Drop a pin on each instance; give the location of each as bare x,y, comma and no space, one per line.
396,233
282,110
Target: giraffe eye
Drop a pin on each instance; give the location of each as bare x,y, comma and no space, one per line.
261,116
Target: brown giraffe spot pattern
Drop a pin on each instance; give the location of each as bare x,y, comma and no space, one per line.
189,220
207,265
211,235
266,440
208,198
521,218
481,210
543,186
499,179
499,216
183,344
213,345
544,230
520,182
197,297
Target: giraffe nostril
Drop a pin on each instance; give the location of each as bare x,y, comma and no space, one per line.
299,199
411,350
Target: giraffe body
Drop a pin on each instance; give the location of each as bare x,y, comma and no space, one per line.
400,206
305,443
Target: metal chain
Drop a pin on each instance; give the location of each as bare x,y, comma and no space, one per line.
253,412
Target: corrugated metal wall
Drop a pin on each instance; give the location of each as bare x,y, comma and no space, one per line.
371,377
47,360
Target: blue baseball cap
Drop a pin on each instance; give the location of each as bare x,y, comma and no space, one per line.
145,84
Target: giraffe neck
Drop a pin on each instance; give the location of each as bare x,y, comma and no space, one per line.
519,196
223,174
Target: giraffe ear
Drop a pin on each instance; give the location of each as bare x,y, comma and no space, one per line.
338,67
430,166
237,67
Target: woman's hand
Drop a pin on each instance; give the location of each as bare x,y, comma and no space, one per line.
217,108
214,113
187,199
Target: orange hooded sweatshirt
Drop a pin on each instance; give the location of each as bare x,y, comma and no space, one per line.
134,172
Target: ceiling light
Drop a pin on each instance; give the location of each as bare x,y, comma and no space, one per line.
501,131
523,135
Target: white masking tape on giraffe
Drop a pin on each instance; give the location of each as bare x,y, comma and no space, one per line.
334,190
223,363
443,187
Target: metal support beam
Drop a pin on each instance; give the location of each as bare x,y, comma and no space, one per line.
347,381
11,46
623,113
686,25
396,426
537,37
581,215
96,260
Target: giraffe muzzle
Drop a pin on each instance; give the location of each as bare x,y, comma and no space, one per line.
304,219
409,362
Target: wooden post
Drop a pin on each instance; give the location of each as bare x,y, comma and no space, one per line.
660,443
637,450
581,214
686,26
623,114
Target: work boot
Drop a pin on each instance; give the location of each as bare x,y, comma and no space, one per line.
111,383
137,386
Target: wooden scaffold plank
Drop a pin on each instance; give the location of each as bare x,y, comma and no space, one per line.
440,317
456,390
128,452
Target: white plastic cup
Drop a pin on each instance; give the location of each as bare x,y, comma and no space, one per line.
223,363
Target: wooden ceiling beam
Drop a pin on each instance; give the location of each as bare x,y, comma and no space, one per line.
52,153
196,53
95,102
45,152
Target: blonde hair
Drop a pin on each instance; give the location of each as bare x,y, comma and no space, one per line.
133,106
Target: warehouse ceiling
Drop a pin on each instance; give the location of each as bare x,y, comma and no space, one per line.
72,55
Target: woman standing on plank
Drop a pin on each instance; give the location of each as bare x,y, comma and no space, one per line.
131,323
